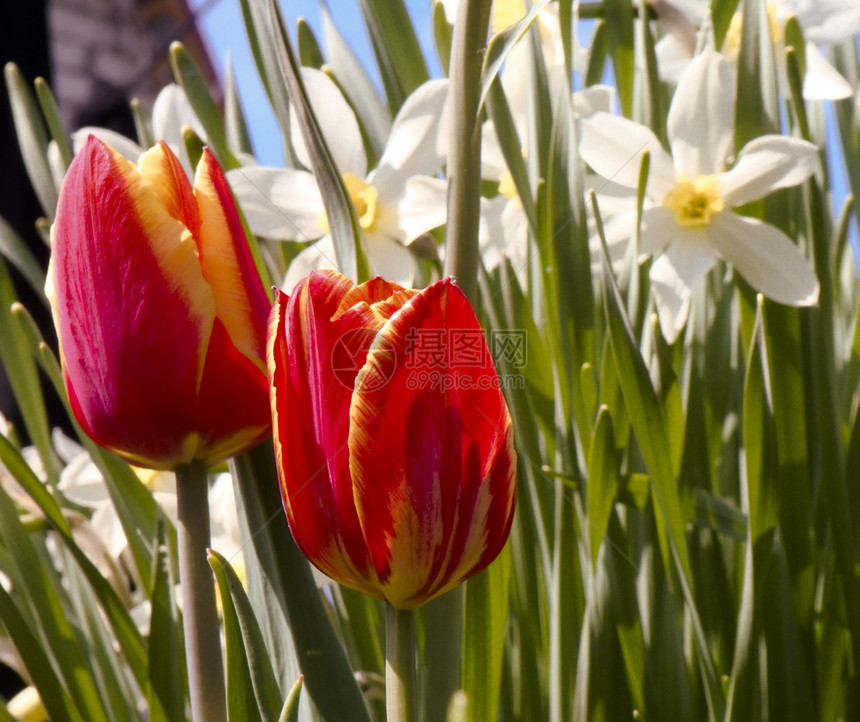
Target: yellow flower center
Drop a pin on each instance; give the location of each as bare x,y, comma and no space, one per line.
732,44
695,202
508,188
505,13
363,197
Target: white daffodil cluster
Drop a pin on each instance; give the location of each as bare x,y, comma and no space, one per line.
824,23
688,218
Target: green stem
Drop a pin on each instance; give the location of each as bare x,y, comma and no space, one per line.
399,664
199,615
464,151
443,634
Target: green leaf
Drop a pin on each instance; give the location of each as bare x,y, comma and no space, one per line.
235,125
603,468
196,88
328,678
290,712
396,49
252,689
442,35
357,86
19,255
142,124
54,626
51,113
343,223
648,423
261,38
486,614
32,139
722,12
310,53
21,370
619,18
56,700
241,703
501,45
166,690
19,469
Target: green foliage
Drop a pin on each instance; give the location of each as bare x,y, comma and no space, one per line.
686,538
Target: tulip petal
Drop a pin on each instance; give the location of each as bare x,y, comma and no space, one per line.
129,301
163,170
233,403
313,358
241,302
431,450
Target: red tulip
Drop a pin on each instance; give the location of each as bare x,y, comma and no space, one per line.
395,451
160,312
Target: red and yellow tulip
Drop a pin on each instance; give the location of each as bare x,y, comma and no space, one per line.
395,457
160,312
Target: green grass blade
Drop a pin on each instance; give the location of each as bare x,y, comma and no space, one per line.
32,139
396,49
167,687
342,220
486,614
56,700
327,676
251,683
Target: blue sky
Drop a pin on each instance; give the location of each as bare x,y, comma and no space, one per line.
221,21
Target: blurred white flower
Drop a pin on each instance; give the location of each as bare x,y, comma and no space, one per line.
504,224
690,193
824,23
82,483
170,112
396,202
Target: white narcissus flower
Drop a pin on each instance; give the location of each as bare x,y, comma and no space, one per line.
690,193
396,202
824,22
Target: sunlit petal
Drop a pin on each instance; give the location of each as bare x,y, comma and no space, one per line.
613,147
822,81
701,118
766,258
673,276
279,203
337,122
765,165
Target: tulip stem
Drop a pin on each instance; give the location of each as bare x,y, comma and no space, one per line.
464,151
399,664
199,614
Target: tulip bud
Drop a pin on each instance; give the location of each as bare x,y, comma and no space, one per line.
395,452
159,309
